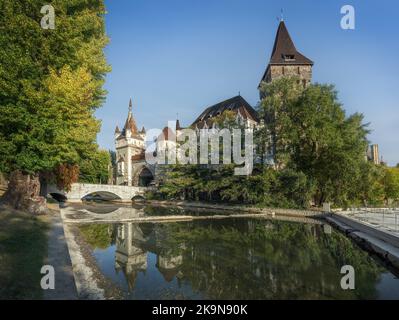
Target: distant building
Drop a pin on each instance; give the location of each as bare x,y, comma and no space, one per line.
373,154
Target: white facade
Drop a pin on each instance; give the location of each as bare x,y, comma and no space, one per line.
131,168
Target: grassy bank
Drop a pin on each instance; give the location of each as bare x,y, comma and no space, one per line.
23,250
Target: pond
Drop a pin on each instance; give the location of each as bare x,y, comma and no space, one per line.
234,258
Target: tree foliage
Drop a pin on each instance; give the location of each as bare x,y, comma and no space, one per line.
391,183
65,175
95,169
50,84
268,187
311,133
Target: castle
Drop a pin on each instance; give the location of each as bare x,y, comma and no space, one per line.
131,167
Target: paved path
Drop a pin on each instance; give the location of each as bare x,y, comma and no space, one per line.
382,243
385,220
58,257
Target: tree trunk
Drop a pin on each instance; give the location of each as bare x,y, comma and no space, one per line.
23,193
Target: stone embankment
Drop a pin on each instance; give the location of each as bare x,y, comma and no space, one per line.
186,211
58,257
382,243
224,207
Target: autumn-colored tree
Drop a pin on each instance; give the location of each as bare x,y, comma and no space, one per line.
66,174
50,85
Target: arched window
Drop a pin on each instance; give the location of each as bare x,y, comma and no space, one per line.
145,177
121,167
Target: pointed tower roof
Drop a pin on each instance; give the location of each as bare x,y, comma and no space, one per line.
178,127
117,130
284,50
167,135
130,122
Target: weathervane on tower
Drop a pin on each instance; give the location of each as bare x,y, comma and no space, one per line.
281,18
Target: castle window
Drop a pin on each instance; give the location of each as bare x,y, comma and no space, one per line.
289,57
121,168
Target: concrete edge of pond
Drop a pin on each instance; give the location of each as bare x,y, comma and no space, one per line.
69,215
383,244
224,207
86,283
59,258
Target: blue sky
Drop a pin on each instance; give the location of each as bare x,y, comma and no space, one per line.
180,56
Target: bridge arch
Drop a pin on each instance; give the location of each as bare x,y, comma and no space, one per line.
138,198
79,191
101,195
58,196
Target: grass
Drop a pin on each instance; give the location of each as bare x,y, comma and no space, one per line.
23,250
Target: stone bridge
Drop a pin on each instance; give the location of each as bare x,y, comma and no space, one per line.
107,192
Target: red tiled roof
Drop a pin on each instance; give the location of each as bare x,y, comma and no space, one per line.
167,135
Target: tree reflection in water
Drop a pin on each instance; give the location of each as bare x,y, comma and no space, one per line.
240,258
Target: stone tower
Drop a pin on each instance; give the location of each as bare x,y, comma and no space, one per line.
130,147
286,60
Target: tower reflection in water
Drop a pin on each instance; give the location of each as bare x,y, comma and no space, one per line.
133,241
235,259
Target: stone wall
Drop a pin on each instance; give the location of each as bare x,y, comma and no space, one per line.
304,72
80,190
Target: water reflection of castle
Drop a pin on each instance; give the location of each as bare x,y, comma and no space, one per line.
133,242
285,257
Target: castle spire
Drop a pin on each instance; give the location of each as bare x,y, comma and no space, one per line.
178,127
130,122
285,54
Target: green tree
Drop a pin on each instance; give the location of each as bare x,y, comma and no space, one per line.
311,133
99,236
369,188
50,84
391,183
96,168
112,155
280,96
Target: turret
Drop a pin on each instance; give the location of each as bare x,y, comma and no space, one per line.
286,60
117,132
